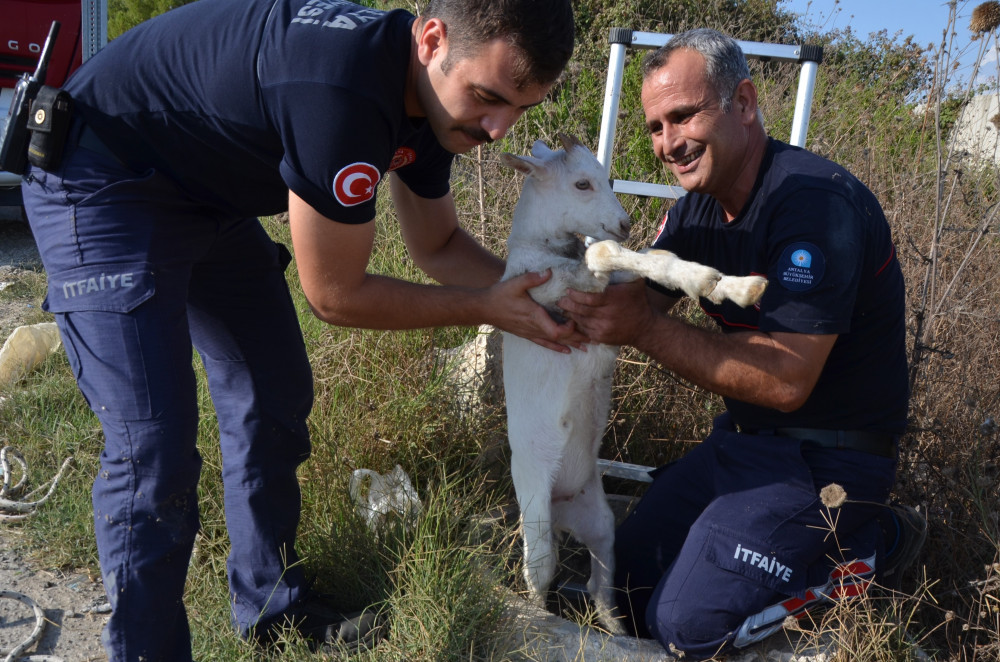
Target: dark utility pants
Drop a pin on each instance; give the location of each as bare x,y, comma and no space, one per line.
137,274
736,526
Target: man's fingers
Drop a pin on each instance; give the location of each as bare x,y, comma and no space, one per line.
533,278
548,344
575,301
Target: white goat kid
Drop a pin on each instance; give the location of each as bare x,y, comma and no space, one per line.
558,404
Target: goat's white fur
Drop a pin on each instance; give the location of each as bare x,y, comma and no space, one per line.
558,404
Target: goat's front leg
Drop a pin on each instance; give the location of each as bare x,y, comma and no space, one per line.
664,267
695,280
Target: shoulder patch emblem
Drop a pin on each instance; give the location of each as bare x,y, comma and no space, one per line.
356,183
659,230
404,156
801,267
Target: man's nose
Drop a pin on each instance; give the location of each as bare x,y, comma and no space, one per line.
498,122
667,142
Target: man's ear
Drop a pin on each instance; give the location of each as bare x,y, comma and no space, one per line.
432,39
745,101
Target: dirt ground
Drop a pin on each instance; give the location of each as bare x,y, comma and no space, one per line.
74,605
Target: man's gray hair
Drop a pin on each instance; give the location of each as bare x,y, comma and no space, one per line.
725,64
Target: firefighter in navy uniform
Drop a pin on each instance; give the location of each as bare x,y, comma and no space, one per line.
728,540
187,128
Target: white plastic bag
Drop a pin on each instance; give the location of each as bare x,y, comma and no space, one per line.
26,348
386,493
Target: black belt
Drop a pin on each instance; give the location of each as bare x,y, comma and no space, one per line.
866,441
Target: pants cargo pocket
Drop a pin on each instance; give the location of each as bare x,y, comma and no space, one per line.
94,307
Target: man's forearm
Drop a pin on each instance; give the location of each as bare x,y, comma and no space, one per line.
381,302
463,261
748,366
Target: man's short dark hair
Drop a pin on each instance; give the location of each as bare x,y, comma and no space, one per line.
725,64
540,30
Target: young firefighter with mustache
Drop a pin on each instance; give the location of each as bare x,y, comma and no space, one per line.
186,129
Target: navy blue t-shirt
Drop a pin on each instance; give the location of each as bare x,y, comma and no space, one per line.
240,100
821,239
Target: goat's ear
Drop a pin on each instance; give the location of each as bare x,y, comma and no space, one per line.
540,150
523,164
569,142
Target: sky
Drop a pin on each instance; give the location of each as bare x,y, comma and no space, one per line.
924,19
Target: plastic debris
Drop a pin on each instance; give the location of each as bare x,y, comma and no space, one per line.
378,495
26,348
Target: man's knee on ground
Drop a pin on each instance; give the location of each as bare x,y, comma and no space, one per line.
700,631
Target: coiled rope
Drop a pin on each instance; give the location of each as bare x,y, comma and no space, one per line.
35,636
13,507
12,500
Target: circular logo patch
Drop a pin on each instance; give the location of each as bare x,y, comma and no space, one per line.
355,184
404,156
801,267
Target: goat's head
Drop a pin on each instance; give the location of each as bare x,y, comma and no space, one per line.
566,192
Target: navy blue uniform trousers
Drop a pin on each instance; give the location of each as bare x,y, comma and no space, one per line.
737,525
138,273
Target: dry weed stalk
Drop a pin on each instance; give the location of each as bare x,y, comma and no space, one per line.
938,298
872,624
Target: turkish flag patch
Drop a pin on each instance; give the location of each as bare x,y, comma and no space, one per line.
356,183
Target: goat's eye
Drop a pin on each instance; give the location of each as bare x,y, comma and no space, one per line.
584,185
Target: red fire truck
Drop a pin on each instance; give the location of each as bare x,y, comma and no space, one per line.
24,25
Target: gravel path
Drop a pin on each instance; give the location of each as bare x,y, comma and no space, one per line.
17,246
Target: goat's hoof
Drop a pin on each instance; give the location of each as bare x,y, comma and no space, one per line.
614,627
535,599
608,617
599,255
755,286
743,291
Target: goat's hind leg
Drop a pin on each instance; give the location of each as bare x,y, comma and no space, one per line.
534,497
589,519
